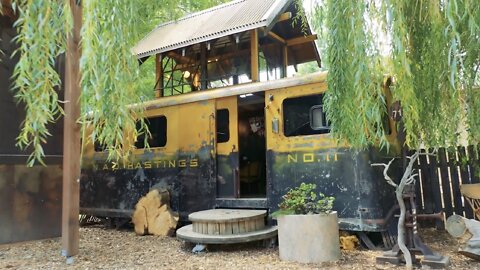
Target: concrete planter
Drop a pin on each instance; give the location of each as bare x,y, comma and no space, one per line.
309,238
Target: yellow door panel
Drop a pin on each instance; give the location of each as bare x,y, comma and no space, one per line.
227,150
229,103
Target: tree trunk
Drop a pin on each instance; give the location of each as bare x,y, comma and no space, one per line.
401,227
153,215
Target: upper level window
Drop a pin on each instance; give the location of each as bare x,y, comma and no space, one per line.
158,128
223,132
304,116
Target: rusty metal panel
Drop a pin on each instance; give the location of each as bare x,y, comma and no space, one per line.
30,202
185,166
30,198
363,198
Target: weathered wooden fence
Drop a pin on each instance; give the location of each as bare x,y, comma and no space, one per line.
440,178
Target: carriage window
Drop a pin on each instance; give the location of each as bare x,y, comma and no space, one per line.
158,128
304,116
99,147
223,132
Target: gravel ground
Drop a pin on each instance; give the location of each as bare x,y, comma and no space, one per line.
102,248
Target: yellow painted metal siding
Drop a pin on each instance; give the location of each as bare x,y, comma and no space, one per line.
274,110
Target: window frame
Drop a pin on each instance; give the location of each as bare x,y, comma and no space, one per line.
227,125
316,133
147,121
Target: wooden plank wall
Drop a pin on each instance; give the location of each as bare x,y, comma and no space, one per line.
440,178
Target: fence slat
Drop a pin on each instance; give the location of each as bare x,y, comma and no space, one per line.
428,201
435,189
473,164
444,177
418,187
454,170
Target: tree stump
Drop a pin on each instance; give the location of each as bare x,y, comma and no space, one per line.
153,214
467,231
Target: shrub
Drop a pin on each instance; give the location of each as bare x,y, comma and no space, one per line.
303,201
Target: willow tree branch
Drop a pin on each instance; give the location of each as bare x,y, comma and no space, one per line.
385,171
411,179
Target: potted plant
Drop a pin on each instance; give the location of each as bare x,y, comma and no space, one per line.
307,226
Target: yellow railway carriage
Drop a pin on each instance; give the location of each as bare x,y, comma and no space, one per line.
232,128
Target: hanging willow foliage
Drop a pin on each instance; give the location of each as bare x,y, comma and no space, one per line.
35,76
432,52
109,71
464,55
354,81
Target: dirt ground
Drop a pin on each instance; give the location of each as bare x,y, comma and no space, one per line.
102,248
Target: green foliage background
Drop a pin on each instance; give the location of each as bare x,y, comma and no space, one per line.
431,50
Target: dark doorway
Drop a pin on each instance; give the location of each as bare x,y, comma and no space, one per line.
252,145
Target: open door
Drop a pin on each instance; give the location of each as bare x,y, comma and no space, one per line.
228,183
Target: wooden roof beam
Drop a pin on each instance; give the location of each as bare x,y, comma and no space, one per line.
284,17
277,37
179,58
301,40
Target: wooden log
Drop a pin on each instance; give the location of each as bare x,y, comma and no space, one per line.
457,228
153,215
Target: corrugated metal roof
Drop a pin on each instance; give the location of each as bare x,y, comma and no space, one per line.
227,19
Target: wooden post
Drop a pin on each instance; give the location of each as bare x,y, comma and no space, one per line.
71,138
203,66
159,75
285,61
254,54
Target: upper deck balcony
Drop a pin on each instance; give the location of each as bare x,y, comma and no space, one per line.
238,42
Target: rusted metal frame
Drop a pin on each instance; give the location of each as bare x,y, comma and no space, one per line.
166,65
233,54
181,82
318,77
71,148
254,70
